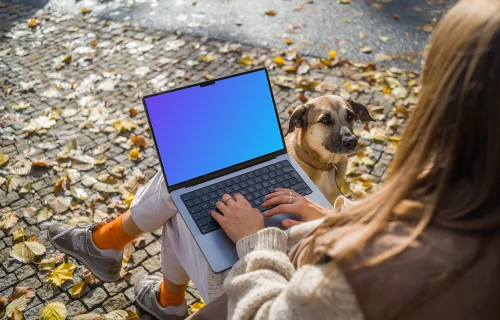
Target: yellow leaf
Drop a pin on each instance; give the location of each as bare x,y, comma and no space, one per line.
69,149
77,288
139,141
345,1
67,59
288,41
85,10
18,304
394,138
246,61
27,251
197,306
134,154
79,193
32,23
18,233
61,274
44,214
128,199
2,307
271,13
53,311
8,219
279,60
3,159
17,315
124,125
208,58
93,43
12,183
332,54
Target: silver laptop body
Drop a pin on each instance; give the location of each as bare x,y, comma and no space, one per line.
217,248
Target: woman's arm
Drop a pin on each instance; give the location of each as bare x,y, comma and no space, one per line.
265,285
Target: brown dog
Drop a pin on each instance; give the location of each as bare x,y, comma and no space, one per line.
320,137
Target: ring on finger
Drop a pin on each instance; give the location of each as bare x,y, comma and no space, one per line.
227,199
290,197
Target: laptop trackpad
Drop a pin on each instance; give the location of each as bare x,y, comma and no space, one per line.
276,221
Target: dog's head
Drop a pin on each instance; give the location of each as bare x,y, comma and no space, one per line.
326,124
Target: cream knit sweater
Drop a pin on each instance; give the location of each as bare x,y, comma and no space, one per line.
264,284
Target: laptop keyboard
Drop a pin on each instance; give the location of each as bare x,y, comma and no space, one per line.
254,185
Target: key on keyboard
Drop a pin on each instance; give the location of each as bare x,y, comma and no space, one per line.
253,185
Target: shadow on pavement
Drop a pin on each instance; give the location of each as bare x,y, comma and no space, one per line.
10,13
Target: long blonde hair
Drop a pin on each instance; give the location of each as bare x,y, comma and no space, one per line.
447,166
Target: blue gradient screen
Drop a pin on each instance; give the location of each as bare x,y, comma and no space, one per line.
200,130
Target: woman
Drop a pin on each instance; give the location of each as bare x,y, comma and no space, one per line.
427,245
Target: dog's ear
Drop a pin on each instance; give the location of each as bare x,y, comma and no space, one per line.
360,111
298,118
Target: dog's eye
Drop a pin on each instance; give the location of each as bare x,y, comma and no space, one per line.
325,120
350,116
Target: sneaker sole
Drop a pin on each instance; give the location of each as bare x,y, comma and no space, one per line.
170,317
85,262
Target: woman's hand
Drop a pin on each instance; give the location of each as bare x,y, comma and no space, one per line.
238,218
300,205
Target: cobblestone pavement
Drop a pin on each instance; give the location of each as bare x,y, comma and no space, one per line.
76,77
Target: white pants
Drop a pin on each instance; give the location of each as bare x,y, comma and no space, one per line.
181,258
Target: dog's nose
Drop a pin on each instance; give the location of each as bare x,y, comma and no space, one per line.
350,142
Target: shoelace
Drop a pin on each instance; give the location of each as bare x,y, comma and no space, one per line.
79,225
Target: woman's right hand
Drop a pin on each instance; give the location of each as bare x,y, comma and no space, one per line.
300,205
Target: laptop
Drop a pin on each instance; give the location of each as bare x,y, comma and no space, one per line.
223,136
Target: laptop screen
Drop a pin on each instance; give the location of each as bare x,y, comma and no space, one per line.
199,130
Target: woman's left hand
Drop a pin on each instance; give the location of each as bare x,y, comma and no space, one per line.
238,218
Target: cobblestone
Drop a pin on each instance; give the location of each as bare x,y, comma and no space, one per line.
117,302
94,298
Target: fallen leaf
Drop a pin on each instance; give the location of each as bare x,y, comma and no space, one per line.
27,251
400,92
118,171
2,307
18,292
121,315
21,106
279,60
246,60
79,193
61,274
13,183
26,189
134,154
18,304
332,54
197,306
208,58
77,288
93,43
104,187
89,316
271,13
363,35
124,125
40,163
89,277
139,142
53,311
383,57
3,159
345,1
17,315
384,39
8,218
85,10
68,150
47,264
18,234
32,23
58,204
366,49
67,59
133,112
303,98
88,181
62,184
288,41
395,16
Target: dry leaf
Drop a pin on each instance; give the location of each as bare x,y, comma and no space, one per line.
2,307
18,292
18,234
197,306
303,98
288,41
118,171
21,106
208,58
366,49
77,288
139,142
32,23
383,57
17,315
89,277
134,154
47,264
332,54
88,181
79,193
93,43
279,60
27,251
384,39
62,184
13,183
133,112
61,274
89,316
345,1
121,315
8,218
271,13
58,204
395,16
3,159
53,311
18,304
124,125
104,187
85,10
69,149
40,163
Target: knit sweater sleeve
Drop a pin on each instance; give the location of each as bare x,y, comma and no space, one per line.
264,284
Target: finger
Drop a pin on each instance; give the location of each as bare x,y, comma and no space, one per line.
222,207
275,194
226,198
282,199
217,216
282,208
290,223
241,199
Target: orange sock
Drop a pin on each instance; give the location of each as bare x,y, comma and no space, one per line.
111,235
168,298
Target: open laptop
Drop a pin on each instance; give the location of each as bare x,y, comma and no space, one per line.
223,136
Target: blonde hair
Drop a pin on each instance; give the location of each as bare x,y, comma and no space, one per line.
447,168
